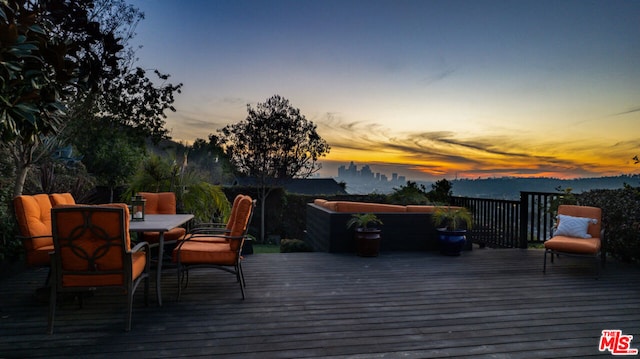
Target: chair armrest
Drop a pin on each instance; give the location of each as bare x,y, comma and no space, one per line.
140,246
23,238
213,227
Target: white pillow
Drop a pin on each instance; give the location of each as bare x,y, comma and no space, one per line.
573,226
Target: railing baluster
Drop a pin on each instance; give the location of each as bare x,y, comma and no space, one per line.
509,223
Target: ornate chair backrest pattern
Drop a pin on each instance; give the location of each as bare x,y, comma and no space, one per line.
91,244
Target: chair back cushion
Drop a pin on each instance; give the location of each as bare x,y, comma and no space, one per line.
585,212
159,203
91,244
241,221
33,214
60,199
234,211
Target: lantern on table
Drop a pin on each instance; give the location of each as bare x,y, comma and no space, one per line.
137,208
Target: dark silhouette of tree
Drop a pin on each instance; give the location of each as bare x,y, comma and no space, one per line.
441,192
128,109
412,193
210,158
275,142
64,59
51,51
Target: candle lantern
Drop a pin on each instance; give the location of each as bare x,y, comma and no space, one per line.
137,208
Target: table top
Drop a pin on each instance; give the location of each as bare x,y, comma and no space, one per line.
159,222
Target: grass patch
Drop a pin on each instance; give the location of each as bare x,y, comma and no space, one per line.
266,248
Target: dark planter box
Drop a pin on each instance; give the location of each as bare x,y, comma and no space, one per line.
401,231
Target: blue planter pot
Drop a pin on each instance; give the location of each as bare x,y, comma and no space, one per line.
451,242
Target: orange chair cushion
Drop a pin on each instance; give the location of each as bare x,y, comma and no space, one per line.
58,199
174,234
362,207
420,209
194,252
159,203
234,211
33,214
139,262
39,257
573,245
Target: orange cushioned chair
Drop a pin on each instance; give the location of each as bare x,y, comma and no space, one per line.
221,251
33,214
219,228
161,203
578,233
92,250
61,199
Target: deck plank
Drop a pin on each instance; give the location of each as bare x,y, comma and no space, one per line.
485,303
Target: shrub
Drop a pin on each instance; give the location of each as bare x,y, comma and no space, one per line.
294,245
620,219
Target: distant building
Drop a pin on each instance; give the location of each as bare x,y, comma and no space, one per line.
366,181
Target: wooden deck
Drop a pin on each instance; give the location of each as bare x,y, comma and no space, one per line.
485,303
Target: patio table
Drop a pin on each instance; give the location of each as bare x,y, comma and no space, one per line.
159,223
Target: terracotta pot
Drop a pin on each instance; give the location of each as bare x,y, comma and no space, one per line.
367,242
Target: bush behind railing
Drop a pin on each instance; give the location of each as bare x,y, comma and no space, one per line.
621,220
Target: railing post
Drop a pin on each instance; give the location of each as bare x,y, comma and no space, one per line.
524,219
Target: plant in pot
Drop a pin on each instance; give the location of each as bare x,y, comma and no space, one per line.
366,236
452,224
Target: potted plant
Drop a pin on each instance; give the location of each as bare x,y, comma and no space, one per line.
367,237
452,224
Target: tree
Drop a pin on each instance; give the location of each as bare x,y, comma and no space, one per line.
441,192
128,109
211,159
51,51
275,142
412,193
66,61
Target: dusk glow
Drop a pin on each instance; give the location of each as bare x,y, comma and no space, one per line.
426,89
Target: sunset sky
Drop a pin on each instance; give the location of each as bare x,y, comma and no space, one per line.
427,89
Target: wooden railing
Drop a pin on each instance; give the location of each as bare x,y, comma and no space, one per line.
509,223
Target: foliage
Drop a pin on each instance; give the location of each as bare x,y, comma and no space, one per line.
441,192
274,141
565,197
620,220
68,63
363,220
51,52
193,195
206,202
453,218
211,159
294,245
128,109
409,194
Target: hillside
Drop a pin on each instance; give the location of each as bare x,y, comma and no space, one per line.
510,188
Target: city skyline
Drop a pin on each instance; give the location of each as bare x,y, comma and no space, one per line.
426,89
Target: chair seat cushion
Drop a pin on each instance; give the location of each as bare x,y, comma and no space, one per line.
573,245
204,252
139,262
40,256
174,234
